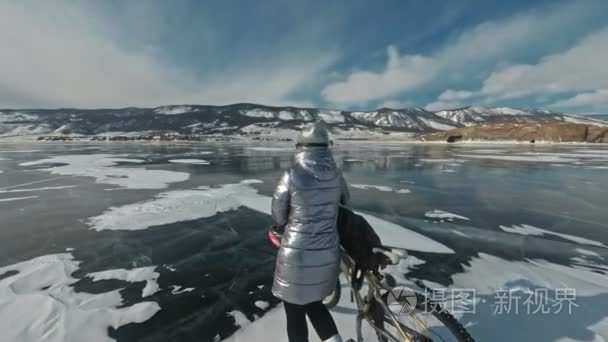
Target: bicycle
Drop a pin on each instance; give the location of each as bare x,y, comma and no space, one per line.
374,307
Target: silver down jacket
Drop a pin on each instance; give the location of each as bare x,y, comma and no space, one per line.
306,202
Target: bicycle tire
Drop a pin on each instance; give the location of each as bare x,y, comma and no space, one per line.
426,305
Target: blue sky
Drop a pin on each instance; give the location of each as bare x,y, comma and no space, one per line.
347,54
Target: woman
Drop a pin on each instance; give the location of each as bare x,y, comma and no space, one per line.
306,204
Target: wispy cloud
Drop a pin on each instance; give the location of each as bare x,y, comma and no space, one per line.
56,56
484,46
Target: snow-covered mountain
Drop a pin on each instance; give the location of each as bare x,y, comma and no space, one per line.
252,119
472,116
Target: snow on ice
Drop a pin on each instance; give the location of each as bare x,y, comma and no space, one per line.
440,214
39,304
526,229
103,168
189,161
146,274
185,205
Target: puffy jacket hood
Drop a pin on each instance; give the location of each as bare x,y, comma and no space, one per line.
318,162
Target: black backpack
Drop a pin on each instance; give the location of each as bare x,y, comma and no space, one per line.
358,239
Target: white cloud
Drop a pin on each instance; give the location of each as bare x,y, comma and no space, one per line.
484,45
401,73
597,99
442,105
56,55
395,104
580,68
454,95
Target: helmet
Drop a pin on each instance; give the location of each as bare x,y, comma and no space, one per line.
314,135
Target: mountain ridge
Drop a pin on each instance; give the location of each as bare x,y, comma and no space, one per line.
245,119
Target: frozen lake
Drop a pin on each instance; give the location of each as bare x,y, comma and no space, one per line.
167,242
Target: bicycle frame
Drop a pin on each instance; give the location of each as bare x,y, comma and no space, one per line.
364,304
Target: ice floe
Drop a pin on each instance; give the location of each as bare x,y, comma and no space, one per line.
189,161
16,198
103,168
38,303
440,214
379,188
146,274
525,229
184,205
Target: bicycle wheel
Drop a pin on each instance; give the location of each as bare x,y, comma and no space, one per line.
439,324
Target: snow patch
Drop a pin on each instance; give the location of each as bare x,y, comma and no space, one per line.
39,304
184,205
39,189
176,289
16,198
189,161
440,214
102,168
135,275
380,188
332,116
173,110
526,229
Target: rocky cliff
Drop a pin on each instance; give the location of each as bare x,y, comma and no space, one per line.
555,132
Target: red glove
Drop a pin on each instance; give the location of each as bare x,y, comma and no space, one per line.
274,235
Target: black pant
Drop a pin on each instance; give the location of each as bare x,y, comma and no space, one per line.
297,328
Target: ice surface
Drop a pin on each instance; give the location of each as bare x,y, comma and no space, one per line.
20,151
184,205
539,158
39,189
443,215
440,160
102,168
16,198
146,274
526,229
189,161
380,188
271,149
39,304
486,273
